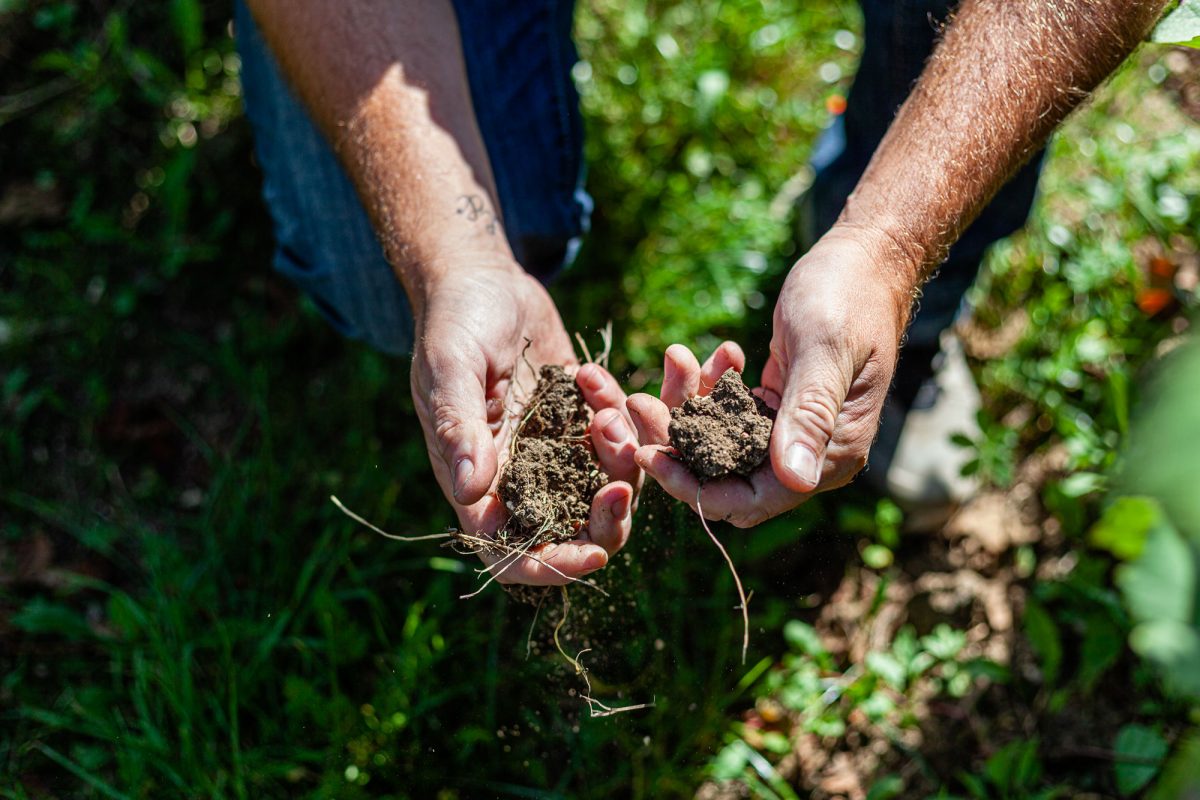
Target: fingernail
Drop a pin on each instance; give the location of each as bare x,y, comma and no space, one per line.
463,471
592,377
803,463
616,431
619,507
594,562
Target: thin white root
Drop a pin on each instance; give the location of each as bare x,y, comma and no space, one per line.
581,671
382,532
484,544
587,355
606,338
733,571
532,625
514,552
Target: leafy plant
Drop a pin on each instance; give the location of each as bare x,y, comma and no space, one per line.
1180,25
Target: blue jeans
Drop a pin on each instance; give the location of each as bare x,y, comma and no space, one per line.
519,57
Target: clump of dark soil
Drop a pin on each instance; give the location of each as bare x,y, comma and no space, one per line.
725,433
551,476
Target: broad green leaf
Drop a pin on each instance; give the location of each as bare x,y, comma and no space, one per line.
1140,753
887,667
1181,775
1175,648
1181,26
1123,528
1161,583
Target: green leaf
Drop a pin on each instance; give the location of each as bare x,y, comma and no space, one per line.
1044,636
1175,648
776,742
887,667
188,18
1181,775
1123,528
876,556
804,638
1181,26
1140,753
731,761
886,788
944,642
40,616
1161,583
1103,643
1082,483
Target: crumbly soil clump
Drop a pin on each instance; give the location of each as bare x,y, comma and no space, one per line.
549,481
724,433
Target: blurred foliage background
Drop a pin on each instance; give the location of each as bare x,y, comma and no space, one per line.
182,613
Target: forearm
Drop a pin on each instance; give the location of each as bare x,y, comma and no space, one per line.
387,85
1006,73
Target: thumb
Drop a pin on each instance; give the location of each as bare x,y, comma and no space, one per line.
459,429
814,391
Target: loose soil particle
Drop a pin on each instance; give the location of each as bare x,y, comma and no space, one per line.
724,433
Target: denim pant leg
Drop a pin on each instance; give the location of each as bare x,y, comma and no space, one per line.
899,37
519,59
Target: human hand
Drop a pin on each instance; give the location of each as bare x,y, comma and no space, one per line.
837,327
471,328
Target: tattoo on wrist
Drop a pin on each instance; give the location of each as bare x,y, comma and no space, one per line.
475,209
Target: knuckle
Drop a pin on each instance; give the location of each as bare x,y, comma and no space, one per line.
446,421
814,409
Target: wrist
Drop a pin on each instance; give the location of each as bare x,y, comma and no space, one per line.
427,269
897,262
864,263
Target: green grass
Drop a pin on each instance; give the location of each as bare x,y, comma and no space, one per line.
201,621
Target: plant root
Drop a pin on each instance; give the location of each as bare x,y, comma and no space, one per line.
475,544
381,532
732,571
595,707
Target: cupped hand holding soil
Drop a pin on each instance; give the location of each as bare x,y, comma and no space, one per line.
567,479
734,488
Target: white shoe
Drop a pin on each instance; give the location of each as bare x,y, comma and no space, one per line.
914,460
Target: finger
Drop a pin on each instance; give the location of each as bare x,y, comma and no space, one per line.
611,517
458,425
681,375
816,386
743,503
651,418
675,478
614,442
548,565
727,356
600,389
